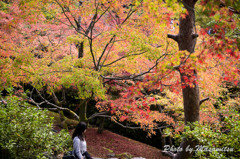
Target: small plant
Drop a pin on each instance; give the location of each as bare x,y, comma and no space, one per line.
124,155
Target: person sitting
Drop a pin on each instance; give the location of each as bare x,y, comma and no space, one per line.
79,142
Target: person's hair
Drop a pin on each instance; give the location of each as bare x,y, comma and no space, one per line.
79,131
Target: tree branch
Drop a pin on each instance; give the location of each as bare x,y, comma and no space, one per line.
104,50
129,15
203,100
92,53
66,15
49,103
91,25
122,58
97,115
130,127
102,14
194,36
169,154
107,54
174,37
132,77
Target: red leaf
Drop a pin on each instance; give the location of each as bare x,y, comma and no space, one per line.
228,50
220,56
233,26
152,99
225,78
236,83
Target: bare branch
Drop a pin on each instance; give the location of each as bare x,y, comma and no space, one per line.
98,115
107,54
97,35
102,14
55,99
54,105
129,15
92,53
91,25
122,58
64,12
104,50
113,17
139,127
58,19
203,100
132,77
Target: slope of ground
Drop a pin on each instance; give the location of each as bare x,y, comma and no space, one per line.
100,145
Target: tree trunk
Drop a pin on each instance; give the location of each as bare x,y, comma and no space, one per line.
63,120
83,111
80,50
101,125
186,40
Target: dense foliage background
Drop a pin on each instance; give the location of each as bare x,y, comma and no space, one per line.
161,66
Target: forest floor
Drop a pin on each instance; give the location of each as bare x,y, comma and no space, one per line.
102,145
109,144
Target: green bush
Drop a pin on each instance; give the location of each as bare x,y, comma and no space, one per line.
26,132
219,142
4,6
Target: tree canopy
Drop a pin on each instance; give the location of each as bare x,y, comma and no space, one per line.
150,64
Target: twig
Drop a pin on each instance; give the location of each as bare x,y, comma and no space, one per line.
66,14
129,15
122,58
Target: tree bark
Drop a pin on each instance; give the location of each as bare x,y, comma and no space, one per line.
83,111
80,50
186,40
62,120
101,125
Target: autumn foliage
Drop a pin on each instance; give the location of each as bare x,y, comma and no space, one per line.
118,54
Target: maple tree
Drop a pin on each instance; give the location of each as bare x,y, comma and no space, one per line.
118,53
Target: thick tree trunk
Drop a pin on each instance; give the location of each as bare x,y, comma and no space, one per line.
186,40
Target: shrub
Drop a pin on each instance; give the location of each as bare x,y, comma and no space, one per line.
219,142
26,132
